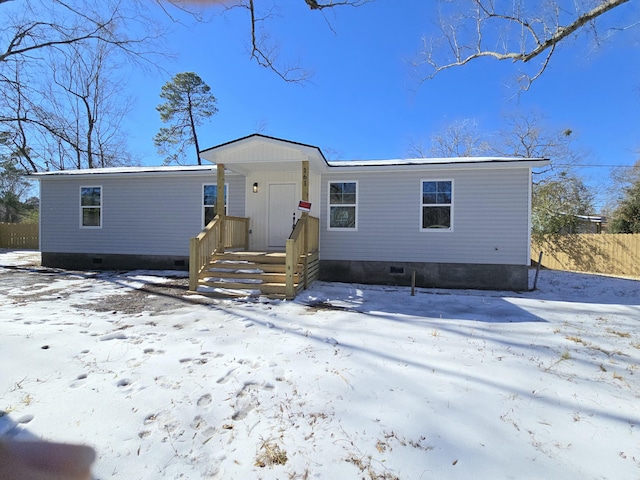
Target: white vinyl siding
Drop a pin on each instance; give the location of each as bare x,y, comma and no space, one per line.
91,206
142,215
343,205
491,218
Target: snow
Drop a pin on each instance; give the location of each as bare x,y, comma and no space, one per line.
347,381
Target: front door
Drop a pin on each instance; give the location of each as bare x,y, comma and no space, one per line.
282,208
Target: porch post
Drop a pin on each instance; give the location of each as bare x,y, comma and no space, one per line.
305,181
305,197
220,206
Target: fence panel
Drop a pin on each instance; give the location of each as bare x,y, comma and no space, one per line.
19,236
611,254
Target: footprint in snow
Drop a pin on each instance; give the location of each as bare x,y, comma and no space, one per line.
79,381
247,399
113,336
226,376
204,400
149,419
198,422
152,351
212,354
197,361
125,382
25,419
164,382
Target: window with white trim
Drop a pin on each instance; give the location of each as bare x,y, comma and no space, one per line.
343,205
209,200
91,207
437,205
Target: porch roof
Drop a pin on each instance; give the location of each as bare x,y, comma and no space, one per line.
260,152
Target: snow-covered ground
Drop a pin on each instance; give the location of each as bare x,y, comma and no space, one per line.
346,382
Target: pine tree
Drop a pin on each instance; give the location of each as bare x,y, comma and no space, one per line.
188,102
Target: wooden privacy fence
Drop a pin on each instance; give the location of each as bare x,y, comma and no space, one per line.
19,235
612,254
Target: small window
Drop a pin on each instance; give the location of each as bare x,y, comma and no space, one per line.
343,200
91,207
209,199
437,203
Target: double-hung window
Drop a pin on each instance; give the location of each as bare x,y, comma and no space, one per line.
209,201
437,205
343,205
90,207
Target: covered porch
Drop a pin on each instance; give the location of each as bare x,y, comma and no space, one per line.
272,250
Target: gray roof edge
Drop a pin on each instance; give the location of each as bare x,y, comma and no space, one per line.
436,161
142,170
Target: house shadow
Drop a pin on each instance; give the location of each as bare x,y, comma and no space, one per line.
427,305
573,289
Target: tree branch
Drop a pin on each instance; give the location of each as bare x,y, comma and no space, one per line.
524,37
267,54
563,32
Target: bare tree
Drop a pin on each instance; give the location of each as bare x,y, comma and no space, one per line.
517,31
69,115
560,194
91,106
526,135
31,26
60,99
266,52
460,139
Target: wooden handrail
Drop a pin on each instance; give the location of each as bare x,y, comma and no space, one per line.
211,240
303,239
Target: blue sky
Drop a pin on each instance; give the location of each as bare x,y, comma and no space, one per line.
363,101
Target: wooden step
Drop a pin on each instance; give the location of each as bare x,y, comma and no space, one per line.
235,266
264,277
267,270
264,288
252,257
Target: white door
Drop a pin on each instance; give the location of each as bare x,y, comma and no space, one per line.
282,208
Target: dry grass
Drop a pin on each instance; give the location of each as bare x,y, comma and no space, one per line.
618,333
271,454
364,464
565,356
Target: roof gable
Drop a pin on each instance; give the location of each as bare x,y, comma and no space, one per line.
260,152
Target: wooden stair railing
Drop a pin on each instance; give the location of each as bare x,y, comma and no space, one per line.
210,241
304,239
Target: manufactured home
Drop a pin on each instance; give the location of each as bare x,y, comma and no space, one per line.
272,215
